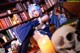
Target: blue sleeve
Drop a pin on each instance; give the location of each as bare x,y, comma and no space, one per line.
35,23
54,20
23,30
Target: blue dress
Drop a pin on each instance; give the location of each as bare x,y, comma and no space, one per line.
25,31
23,34
62,19
54,20
22,31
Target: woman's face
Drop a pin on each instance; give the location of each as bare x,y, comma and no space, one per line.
36,13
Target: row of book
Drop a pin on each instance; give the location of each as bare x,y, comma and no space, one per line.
10,16
10,20
50,3
13,19
26,5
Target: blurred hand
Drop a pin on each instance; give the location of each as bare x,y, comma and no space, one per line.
45,18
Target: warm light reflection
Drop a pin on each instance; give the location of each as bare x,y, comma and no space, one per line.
46,45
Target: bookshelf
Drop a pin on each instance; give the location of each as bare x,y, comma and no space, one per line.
11,10
18,7
11,6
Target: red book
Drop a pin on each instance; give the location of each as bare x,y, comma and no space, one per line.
1,27
7,22
23,16
3,24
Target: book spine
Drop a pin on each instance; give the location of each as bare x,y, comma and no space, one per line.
4,38
18,7
52,2
11,33
10,19
28,4
1,27
3,24
16,19
16,16
7,21
25,6
47,3
23,16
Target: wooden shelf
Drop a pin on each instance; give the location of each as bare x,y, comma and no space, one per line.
10,3
17,12
7,43
1,31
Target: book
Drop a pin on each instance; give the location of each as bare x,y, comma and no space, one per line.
3,24
16,19
10,33
10,19
44,7
23,16
52,2
7,21
4,37
18,7
28,3
47,3
0,27
25,6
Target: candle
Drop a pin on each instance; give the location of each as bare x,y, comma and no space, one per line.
46,45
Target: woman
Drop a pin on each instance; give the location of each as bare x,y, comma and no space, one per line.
37,27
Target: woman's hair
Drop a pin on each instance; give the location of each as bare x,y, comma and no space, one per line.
33,7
